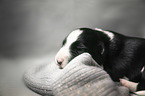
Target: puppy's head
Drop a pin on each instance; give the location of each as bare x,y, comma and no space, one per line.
77,42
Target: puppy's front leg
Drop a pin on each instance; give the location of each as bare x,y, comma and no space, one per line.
131,85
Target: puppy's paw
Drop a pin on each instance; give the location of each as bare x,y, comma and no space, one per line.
140,93
131,85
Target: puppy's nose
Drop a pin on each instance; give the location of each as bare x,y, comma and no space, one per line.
59,61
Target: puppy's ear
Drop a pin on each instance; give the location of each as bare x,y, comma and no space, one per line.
98,52
101,48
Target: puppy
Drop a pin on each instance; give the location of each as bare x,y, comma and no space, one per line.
121,56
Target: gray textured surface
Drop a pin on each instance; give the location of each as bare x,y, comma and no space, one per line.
79,78
31,29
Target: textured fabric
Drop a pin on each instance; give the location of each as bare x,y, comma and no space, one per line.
81,77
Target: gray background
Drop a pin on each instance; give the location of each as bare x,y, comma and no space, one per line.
31,31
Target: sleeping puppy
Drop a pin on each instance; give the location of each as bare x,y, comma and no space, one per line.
121,56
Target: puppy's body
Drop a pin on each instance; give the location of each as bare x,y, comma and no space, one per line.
125,56
121,56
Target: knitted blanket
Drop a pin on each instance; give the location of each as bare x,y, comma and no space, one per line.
81,77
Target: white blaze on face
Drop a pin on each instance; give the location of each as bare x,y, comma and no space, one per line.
64,53
109,34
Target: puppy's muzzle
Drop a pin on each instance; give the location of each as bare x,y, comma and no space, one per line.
59,61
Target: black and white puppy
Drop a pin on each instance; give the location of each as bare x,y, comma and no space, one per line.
121,56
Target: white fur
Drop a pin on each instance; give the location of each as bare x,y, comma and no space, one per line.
142,69
64,52
140,93
131,85
109,34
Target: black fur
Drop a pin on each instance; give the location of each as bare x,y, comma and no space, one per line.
121,56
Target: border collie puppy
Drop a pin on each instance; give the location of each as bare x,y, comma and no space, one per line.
121,56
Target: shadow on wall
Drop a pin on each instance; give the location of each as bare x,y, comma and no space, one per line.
35,28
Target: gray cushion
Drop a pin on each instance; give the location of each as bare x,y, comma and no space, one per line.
81,77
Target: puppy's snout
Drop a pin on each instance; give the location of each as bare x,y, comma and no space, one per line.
62,57
59,61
